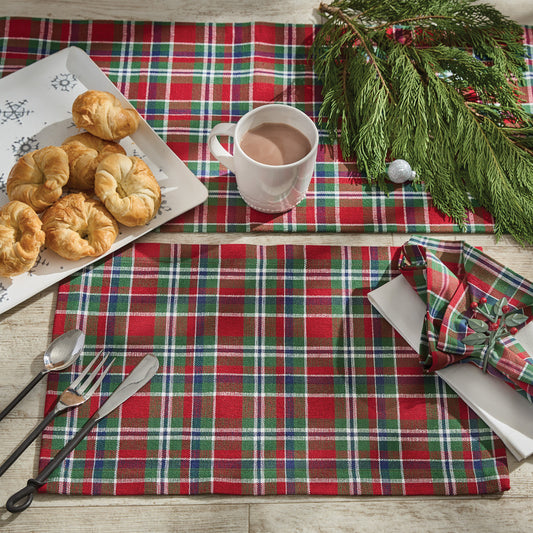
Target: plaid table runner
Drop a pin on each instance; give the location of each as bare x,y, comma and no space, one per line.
277,377
184,78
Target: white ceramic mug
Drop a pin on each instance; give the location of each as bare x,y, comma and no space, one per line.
267,188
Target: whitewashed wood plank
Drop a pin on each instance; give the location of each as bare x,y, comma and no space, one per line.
383,516
85,518
297,11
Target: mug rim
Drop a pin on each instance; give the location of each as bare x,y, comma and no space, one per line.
254,111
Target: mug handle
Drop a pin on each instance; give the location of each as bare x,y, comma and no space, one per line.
220,153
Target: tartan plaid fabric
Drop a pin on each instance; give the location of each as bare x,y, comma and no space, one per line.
277,377
449,276
184,78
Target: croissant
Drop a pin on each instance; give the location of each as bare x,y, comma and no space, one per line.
84,152
77,226
37,178
21,238
102,114
128,189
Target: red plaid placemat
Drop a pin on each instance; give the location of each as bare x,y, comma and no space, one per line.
277,377
184,78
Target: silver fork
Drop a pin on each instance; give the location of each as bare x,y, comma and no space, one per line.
78,392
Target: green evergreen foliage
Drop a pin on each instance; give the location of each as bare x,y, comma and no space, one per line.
408,95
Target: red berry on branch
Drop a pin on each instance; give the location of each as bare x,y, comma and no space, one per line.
513,331
506,308
494,325
483,300
473,305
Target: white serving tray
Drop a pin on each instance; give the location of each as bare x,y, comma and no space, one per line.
35,111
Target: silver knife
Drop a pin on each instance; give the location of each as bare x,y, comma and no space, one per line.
138,377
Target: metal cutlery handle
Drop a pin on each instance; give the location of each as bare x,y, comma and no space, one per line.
28,440
22,499
23,393
136,379
79,391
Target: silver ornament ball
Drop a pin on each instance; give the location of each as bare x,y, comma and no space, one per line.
400,171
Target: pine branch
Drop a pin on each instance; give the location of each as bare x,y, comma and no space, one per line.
359,38
442,93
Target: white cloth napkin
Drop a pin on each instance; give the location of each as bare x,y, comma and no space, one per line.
506,412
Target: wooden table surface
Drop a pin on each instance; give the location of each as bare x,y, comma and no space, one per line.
25,333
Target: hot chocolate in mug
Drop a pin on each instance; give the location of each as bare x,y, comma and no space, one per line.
275,133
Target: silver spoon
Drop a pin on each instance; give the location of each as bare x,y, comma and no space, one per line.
61,353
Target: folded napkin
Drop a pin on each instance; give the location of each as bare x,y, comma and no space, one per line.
489,395
451,278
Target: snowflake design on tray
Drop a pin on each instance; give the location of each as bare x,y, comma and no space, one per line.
13,111
40,261
3,293
24,146
136,153
164,207
64,82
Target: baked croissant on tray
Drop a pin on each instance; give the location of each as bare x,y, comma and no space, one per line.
103,115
